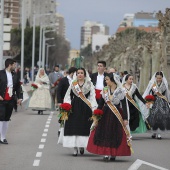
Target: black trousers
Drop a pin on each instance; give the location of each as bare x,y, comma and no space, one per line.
6,108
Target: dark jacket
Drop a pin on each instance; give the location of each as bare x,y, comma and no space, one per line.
16,84
62,89
94,78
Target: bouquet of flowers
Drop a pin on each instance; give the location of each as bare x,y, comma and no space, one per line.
34,86
65,110
97,115
150,100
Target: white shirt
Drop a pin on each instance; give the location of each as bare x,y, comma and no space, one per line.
69,79
9,79
99,83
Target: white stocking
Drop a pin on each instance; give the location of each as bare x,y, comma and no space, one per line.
1,124
4,130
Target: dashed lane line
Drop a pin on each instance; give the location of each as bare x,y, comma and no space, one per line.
39,154
43,140
36,163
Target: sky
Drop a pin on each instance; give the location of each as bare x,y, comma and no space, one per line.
108,12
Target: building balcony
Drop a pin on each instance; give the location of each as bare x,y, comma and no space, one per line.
11,12
11,1
11,6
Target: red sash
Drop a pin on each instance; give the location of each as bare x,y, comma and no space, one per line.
98,95
7,97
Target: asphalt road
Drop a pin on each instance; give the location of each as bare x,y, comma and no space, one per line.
33,145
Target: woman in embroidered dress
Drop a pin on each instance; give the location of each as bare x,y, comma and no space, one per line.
136,105
111,136
41,98
159,117
77,127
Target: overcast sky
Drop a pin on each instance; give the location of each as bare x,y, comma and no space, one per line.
108,12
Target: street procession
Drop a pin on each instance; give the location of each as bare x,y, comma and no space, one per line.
84,89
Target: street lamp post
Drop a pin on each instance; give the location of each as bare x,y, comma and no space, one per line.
47,53
22,42
2,34
42,27
43,55
33,41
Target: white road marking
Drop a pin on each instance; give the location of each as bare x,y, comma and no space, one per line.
137,164
43,140
41,147
36,163
44,134
39,154
45,130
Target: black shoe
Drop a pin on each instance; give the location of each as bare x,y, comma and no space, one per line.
81,151
154,136
4,141
112,158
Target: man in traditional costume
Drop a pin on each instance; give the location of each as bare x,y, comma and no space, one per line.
98,78
9,85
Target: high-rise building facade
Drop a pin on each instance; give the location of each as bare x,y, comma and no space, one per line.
61,26
41,7
12,11
90,28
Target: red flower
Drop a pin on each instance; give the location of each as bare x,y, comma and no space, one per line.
98,112
34,86
150,98
66,106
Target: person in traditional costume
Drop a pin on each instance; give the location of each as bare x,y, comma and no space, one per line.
81,95
111,136
63,87
98,78
41,98
9,86
136,106
159,116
